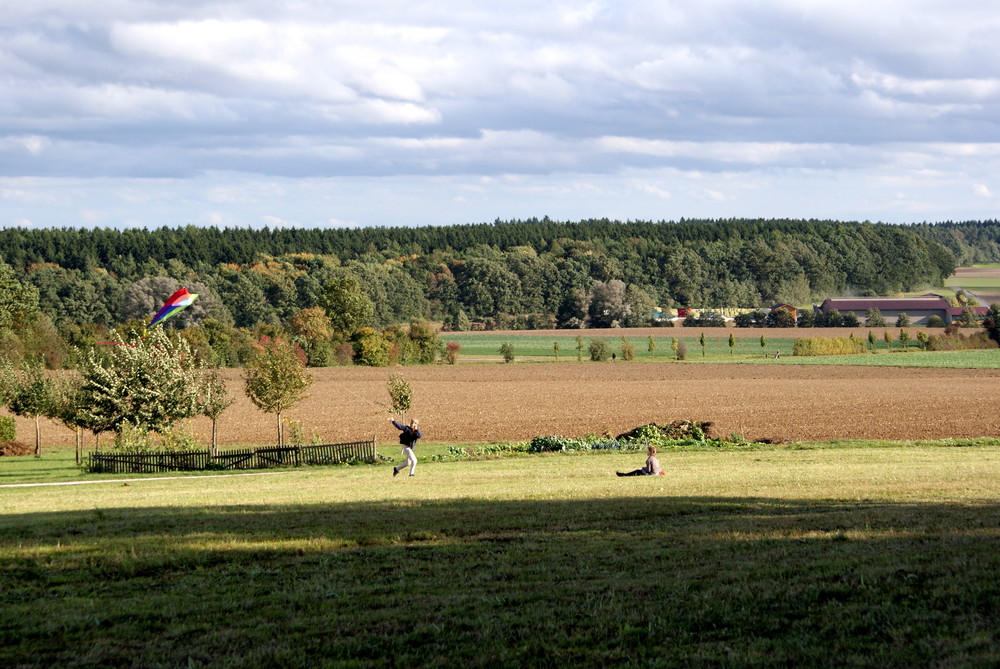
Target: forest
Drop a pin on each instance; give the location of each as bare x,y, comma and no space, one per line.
64,288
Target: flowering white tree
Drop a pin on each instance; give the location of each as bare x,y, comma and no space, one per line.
143,383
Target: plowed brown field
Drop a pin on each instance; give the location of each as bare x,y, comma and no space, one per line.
483,403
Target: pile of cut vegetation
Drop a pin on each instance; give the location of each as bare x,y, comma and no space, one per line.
678,429
14,448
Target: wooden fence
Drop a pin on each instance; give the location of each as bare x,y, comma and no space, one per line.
246,458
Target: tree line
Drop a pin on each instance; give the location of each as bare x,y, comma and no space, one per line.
138,387
342,294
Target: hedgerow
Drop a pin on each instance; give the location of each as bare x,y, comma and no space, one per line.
831,346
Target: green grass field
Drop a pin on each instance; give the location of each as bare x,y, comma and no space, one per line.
974,359
856,554
979,283
539,348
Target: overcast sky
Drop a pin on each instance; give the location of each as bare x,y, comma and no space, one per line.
379,112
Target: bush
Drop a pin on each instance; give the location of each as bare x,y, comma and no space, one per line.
828,346
130,439
902,321
344,354
370,348
956,341
874,318
556,443
779,318
992,322
320,354
507,352
628,350
7,430
935,322
682,350
451,351
704,321
832,319
599,350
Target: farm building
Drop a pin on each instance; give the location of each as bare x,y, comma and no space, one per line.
918,309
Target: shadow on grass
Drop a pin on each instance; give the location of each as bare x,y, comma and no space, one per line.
662,581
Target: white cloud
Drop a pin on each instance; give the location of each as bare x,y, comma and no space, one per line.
32,144
653,190
258,106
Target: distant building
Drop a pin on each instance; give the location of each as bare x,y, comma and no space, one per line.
918,309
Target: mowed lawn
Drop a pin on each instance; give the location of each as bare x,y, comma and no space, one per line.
824,556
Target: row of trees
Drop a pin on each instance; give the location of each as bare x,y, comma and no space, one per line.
126,253
537,273
337,329
782,318
137,388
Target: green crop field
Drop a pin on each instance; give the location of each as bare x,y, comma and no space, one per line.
541,347
974,283
857,554
975,359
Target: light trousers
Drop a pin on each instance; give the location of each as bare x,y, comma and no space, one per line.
411,460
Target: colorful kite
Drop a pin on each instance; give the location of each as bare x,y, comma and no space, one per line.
179,300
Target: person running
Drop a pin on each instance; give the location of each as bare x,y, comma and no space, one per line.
651,468
408,438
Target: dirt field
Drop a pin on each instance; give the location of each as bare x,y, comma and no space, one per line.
483,403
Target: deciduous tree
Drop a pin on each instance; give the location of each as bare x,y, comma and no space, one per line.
400,396
143,383
32,397
215,399
992,322
873,318
347,305
275,378
18,301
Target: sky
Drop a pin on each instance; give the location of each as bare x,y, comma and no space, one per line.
348,113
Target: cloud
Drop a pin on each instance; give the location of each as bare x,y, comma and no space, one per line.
982,191
195,109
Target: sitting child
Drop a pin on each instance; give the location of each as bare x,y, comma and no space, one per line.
652,467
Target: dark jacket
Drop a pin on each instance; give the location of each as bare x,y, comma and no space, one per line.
408,436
